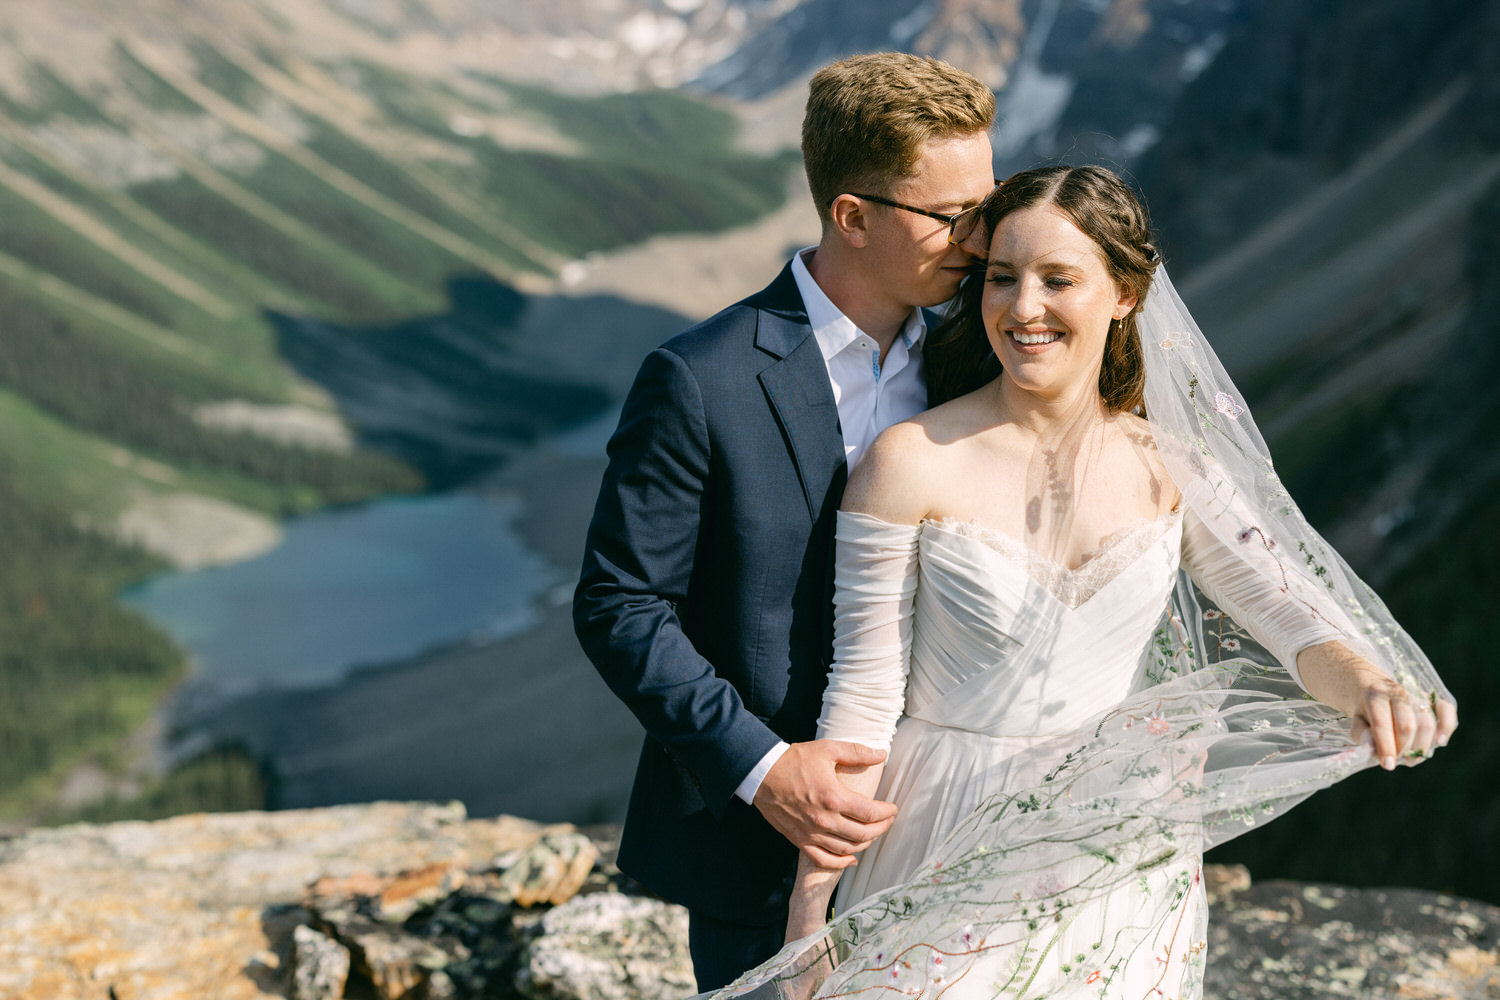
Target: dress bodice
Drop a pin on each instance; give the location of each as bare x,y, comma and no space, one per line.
1008,643
965,627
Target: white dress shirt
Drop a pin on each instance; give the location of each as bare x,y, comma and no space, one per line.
871,392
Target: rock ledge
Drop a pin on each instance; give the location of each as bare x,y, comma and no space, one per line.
401,901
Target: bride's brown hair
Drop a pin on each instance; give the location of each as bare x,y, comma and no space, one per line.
959,358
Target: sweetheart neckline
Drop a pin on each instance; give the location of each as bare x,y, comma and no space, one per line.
1075,587
978,530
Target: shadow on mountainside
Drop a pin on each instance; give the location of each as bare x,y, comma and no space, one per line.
457,394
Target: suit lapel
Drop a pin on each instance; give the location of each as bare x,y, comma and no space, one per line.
797,389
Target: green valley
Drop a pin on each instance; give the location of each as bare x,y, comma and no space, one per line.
177,219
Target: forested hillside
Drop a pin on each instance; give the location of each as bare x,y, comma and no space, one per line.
219,222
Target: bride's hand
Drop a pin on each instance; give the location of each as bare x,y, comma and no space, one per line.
1399,729
1402,730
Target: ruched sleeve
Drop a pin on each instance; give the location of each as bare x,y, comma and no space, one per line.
1279,607
875,578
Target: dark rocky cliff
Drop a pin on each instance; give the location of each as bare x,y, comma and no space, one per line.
1301,92
1328,193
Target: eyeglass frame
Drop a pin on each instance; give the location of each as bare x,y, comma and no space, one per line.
951,220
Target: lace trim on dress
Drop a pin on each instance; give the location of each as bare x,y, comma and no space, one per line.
1073,587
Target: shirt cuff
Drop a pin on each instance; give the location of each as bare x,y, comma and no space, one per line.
751,784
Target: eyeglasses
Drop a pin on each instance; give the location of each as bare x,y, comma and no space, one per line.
960,225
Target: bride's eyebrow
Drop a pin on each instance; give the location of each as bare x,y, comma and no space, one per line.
1042,265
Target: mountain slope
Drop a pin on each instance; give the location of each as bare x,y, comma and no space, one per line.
1328,193
1325,240
1077,81
197,170
228,232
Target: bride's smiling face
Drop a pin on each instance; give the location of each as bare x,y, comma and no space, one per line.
1048,302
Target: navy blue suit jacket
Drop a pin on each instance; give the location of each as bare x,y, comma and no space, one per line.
706,594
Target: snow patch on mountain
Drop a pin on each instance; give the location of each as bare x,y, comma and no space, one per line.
1196,59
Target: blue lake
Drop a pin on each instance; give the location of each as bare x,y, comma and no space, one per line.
353,587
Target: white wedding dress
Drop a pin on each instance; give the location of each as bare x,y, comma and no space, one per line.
985,660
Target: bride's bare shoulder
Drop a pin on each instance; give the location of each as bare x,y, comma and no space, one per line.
888,480
892,478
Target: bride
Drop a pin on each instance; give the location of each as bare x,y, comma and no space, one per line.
1092,631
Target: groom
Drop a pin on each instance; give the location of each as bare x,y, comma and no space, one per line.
705,595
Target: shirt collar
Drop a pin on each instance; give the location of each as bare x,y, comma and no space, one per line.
831,328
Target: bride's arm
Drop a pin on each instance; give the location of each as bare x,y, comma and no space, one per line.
1306,633
813,890
875,576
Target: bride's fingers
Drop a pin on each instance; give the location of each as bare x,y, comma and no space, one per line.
1420,747
1447,719
1427,725
1379,714
1436,721
1404,720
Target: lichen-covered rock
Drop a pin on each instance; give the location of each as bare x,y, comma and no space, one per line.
426,903
181,907
609,946
391,898
1222,881
552,870
496,839
320,966
1294,941
398,964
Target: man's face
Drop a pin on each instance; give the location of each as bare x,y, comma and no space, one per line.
910,255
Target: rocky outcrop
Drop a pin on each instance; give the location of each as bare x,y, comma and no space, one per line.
389,900
1284,940
419,902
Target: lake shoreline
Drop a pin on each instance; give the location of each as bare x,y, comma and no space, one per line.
596,324
518,724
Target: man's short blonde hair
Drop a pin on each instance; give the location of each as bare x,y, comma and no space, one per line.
869,117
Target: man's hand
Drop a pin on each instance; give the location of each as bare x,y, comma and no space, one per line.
804,798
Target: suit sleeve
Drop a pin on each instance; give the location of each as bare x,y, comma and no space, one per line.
638,562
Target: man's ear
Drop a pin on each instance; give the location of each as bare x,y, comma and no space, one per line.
850,219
